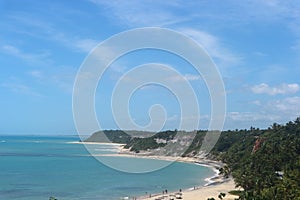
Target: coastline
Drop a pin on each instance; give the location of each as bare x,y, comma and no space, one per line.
98,143
214,186
200,193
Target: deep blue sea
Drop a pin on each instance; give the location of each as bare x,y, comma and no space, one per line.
37,167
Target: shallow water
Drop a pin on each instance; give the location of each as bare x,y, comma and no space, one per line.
35,167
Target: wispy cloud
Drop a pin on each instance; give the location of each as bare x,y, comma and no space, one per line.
162,13
141,13
20,89
75,43
268,112
166,13
213,45
62,78
260,54
35,58
44,30
242,120
264,88
251,116
171,79
85,45
288,106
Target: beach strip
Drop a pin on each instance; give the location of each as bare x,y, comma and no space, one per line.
215,185
201,193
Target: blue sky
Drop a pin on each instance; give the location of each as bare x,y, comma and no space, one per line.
255,44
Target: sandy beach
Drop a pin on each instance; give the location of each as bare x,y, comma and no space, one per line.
215,185
201,193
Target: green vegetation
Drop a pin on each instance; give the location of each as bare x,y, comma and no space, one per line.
236,192
115,136
265,163
220,196
194,148
139,144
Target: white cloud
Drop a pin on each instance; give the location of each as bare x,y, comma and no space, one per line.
85,45
244,120
264,88
172,13
141,13
213,46
37,58
163,14
62,77
47,31
157,13
279,111
287,106
251,116
78,44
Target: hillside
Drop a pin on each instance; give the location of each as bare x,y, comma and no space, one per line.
266,163
115,136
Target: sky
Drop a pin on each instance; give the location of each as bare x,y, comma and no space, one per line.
254,44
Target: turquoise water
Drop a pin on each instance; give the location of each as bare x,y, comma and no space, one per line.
33,167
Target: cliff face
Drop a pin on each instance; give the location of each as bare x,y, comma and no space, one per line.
188,144
166,143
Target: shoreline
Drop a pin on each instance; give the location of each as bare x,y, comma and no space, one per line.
213,187
98,143
198,193
215,184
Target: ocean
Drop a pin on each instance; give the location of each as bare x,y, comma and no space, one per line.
37,167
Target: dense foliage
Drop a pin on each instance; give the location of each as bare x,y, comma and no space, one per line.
266,163
139,144
115,136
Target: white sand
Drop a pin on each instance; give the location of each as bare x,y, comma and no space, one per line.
204,193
